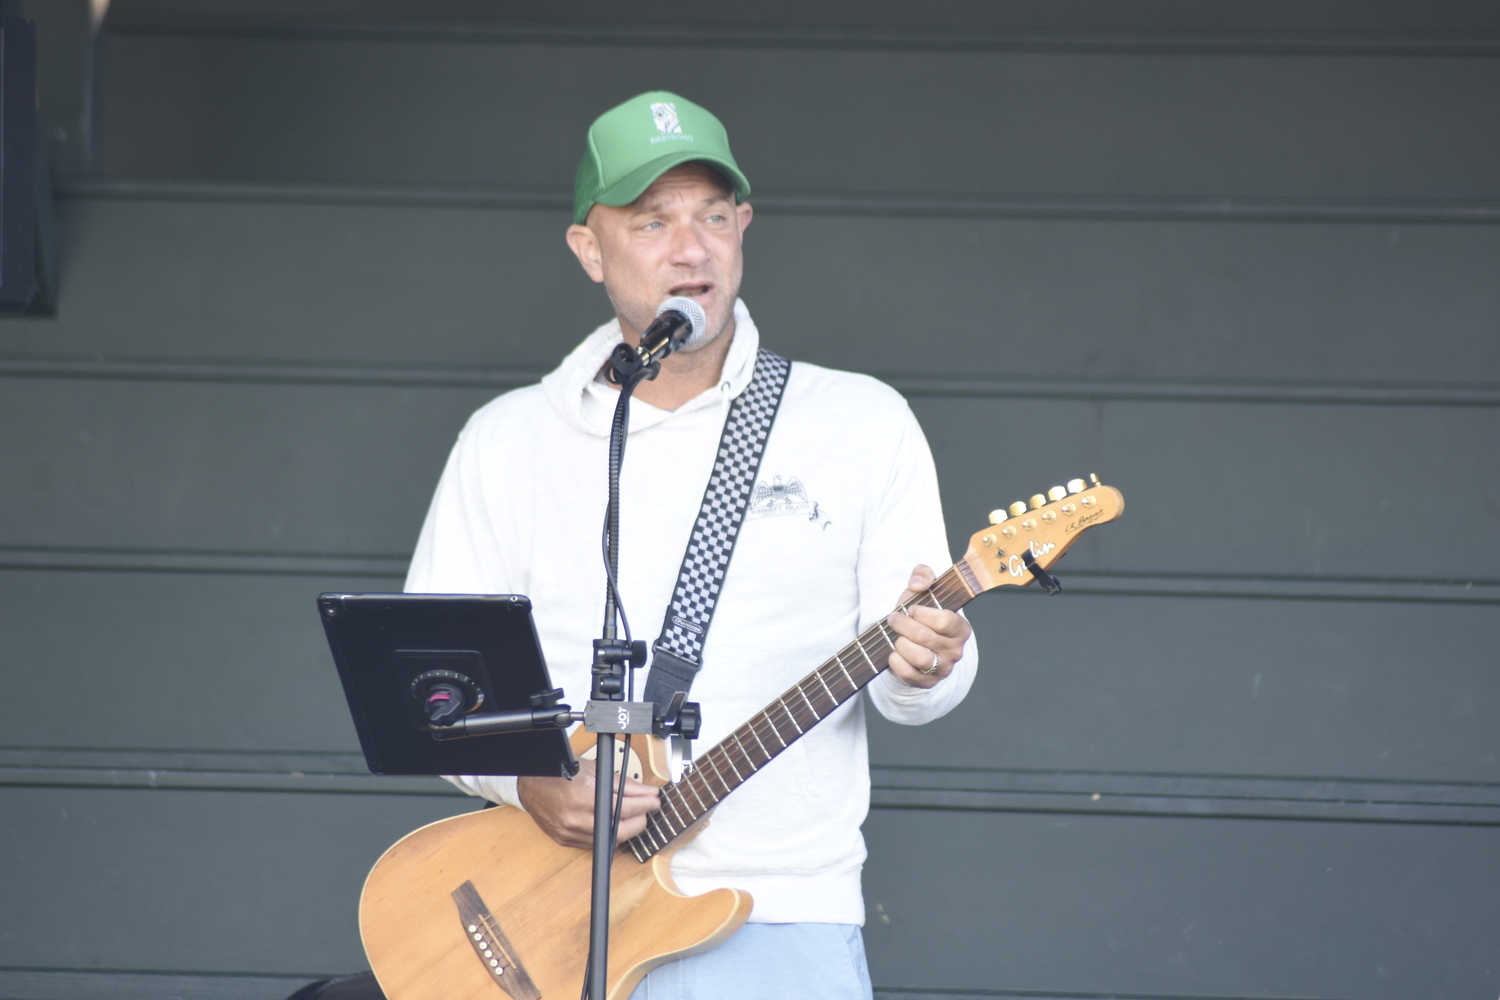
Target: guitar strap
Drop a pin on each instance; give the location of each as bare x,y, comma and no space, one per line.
677,654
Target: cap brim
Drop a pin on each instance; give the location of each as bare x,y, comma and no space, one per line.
634,184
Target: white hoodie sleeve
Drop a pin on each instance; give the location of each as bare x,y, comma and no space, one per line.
905,527
457,553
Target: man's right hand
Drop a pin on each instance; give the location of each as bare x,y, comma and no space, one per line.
564,807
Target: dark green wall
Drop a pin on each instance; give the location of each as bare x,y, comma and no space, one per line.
1243,261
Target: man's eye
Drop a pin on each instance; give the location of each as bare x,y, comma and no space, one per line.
716,218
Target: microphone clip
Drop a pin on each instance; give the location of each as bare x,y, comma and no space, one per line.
625,362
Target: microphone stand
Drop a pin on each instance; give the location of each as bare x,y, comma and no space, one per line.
611,657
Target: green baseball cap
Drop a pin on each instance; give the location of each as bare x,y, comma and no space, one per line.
631,145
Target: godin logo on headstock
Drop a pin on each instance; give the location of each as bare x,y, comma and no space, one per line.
1017,566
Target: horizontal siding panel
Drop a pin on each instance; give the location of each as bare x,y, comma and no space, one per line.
193,881
1297,491
55,984
1146,685
384,110
1115,906
1077,683
1210,488
168,661
430,286
239,469
943,785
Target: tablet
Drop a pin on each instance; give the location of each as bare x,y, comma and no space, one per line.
383,643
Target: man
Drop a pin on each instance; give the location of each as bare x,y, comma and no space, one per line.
846,502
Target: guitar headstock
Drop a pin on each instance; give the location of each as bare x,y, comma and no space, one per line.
1045,528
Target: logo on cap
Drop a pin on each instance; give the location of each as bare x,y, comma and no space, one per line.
665,116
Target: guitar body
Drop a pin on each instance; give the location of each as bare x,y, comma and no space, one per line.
415,914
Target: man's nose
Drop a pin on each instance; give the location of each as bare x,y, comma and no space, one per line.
689,246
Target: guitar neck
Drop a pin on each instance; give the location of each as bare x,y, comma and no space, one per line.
730,762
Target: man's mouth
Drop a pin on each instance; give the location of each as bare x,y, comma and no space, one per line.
691,291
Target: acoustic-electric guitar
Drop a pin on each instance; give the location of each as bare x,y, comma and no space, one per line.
485,904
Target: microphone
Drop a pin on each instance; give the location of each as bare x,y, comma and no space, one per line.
680,322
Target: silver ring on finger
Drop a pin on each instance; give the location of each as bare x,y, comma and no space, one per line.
934,668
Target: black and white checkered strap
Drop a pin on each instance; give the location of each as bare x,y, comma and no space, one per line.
677,654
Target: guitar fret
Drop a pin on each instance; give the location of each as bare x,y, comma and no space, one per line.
839,659
750,761
771,722
848,672
692,787
751,726
789,715
831,697
671,804
860,644
708,759
730,761
810,706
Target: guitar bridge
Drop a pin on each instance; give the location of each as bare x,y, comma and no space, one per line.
491,945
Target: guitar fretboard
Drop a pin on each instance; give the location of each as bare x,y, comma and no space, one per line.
730,762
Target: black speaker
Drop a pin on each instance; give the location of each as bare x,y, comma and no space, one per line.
18,161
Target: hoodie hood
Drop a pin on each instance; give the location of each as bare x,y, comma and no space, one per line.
579,394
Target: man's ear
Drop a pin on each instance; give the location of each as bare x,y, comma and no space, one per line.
585,246
745,212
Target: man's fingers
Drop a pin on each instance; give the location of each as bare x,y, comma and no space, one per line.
630,826
929,641
909,674
633,787
565,809
912,627
921,578
940,631
946,623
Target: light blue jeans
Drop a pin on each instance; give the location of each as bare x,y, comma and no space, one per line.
765,961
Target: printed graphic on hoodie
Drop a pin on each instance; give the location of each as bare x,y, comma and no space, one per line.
780,498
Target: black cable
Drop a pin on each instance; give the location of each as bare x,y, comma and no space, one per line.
614,827
609,542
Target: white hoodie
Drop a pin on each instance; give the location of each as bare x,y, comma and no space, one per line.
850,506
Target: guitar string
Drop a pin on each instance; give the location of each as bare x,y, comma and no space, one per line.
952,590
938,596
948,591
725,751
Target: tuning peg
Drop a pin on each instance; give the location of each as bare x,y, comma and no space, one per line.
1038,501
996,516
1095,479
1018,508
1076,486
1056,493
